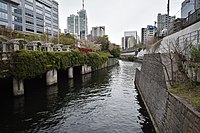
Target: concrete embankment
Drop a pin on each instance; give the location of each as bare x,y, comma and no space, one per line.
51,76
169,113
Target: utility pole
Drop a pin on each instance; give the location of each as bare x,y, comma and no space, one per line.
168,8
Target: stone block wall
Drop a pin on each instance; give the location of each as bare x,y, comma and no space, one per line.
168,112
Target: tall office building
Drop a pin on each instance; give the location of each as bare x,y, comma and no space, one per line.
148,34
98,31
73,24
144,36
162,22
83,24
129,40
30,16
78,24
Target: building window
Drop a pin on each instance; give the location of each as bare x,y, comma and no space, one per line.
17,19
3,15
28,14
40,32
28,7
39,11
30,30
30,1
3,6
48,15
48,21
39,4
48,9
40,25
40,18
17,27
3,23
29,22
16,10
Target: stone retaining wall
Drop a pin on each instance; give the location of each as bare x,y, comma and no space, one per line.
168,112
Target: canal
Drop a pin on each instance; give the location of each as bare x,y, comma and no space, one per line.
105,101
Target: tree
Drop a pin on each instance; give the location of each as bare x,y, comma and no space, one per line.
173,56
43,37
54,40
115,52
67,39
104,41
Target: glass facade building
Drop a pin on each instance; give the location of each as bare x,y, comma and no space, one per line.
78,24
83,24
30,16
73,24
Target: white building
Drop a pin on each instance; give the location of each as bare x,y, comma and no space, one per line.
162,22
98,31
148,34
30,16
130,39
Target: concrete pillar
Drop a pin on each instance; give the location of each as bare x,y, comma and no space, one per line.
51,77
83,70
104,65
25,47
34,48
89,69
16,47
70,73
4,48
18,87
86,69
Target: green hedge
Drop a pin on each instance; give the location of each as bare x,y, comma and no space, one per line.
29,64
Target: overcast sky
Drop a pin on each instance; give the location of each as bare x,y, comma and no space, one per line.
118,15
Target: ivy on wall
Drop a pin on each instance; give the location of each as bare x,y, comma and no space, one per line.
29,64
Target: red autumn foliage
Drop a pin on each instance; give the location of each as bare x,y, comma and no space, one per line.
85,50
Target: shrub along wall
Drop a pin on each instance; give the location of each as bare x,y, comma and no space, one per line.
29,64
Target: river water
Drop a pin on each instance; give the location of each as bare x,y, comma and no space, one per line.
105,101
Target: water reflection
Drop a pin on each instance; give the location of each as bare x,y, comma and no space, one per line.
103,101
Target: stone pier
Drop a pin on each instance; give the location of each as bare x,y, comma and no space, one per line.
18,87
86,69
70,73
51,77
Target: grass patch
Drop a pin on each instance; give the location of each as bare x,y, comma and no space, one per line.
192,95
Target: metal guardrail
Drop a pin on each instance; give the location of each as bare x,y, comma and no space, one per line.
193,37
